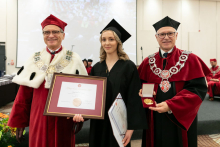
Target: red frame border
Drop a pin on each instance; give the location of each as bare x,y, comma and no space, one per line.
51,108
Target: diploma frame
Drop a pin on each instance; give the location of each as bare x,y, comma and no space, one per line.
51,108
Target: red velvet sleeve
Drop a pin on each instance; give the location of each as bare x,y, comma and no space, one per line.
142,69
218,75
185,106
20,113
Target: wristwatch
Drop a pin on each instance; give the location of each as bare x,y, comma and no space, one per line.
170,112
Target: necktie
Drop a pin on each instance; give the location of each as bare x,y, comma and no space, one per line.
165,55
164,60
53,53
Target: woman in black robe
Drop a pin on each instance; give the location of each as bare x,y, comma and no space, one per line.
122,77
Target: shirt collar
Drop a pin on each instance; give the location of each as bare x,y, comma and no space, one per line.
162,52
53,50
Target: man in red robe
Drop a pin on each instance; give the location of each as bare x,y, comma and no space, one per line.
34,79
213,79
180,87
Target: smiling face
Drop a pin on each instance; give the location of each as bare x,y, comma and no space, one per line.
53,41
166,43
109,42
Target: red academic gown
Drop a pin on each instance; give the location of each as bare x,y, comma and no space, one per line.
44,131
214,75
89,70
183,98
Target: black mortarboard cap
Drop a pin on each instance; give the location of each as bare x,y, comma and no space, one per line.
84,60
118,29
166,21
90,60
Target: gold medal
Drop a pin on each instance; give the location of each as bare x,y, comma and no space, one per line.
148,101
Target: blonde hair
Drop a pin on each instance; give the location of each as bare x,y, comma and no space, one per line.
121,54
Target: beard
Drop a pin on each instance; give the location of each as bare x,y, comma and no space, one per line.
213,66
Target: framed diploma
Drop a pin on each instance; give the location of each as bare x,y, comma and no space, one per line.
76,94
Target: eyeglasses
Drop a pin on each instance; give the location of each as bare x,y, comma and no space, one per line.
163,35
47,33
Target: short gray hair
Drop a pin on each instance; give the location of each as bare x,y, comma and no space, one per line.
168,26
61,30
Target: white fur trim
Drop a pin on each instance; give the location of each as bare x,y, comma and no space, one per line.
29,67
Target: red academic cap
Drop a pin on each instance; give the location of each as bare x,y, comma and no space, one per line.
213,60
52,20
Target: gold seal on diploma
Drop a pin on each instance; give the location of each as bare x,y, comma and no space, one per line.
77,102
148,101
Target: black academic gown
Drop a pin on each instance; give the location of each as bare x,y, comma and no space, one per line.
167,130
123,78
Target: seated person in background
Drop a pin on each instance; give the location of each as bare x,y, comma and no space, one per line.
213,79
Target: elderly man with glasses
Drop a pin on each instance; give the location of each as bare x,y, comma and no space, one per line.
180,87
34,79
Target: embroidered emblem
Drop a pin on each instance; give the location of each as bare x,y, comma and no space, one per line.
49,70
69,53
44,68
37,54
40,64
63,63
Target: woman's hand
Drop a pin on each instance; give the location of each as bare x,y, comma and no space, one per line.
77,118
127,137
